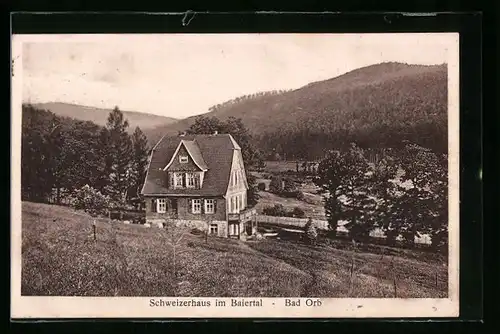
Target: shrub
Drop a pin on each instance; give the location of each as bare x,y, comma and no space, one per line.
277,210
300,195
290,186
298,212
261,186
311,233
276,185
90,200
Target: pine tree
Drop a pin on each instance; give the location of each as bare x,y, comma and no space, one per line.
120,153
140,161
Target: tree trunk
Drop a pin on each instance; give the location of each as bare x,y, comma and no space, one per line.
58,195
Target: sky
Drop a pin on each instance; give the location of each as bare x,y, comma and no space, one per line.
178,75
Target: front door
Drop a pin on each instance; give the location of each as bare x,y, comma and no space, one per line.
234,229
248,228
174,206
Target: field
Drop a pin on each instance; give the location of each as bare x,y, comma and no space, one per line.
61,258
315,211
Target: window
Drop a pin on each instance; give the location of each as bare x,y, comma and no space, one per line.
183,159
214,229
191,180
236,178
240,201
196,206
178,180
209,206
233,203
161,205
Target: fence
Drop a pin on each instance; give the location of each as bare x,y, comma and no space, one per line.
290,221
323,224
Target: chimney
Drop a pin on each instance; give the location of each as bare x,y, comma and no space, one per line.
216,132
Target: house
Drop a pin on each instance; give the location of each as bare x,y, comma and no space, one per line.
199,181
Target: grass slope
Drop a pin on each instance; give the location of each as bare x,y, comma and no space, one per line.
60,258
99,115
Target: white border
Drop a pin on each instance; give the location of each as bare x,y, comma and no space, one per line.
138,307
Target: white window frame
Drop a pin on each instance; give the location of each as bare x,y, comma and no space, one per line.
161,205
178,177
183,159
209,206
190,177
196,203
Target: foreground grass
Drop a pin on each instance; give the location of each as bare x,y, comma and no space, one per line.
61,258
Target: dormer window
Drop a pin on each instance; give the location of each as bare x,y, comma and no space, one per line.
183,159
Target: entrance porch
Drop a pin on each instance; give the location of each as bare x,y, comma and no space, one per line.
244,222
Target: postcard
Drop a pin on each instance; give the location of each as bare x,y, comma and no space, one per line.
235,175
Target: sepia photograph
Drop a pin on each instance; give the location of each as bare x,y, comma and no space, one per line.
210,175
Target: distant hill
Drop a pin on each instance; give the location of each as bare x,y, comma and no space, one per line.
379,105
99,116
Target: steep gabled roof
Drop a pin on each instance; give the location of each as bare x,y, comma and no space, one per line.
193,150
215,151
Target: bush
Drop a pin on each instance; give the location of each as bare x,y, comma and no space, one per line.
298,212
278,210
276,185
311,233
90,200
261,186
290,186
300,195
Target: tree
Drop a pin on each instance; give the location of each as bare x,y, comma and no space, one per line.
120,152
234,127
388,191
253,190
342,177
206,125
425,200
37,155
140,161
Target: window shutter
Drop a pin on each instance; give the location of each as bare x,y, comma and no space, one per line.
202,205
171,185
153,205
215,205
184,176
190,203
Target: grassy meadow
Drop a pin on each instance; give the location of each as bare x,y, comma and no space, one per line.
61,258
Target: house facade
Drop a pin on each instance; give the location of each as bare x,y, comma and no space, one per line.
199,181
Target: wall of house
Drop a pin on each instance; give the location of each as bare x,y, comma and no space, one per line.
190,166
185,210
237,186
185,217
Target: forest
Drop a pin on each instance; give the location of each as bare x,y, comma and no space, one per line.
380,106
63,157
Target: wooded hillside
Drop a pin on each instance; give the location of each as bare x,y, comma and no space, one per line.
376,106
